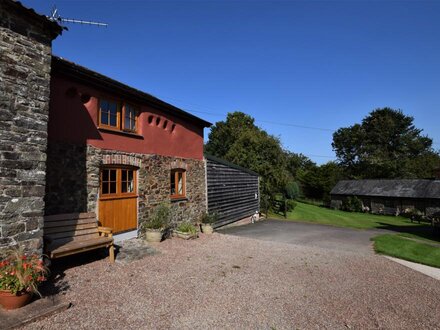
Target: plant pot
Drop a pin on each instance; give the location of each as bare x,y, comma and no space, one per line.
13,301
153,235
207,228
185,235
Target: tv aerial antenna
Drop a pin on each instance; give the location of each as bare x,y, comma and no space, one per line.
55,17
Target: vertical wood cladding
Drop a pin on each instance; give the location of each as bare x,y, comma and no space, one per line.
233,192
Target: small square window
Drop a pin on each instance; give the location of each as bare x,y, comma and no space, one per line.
178,183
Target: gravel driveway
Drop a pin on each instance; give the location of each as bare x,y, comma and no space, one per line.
309,234
229,282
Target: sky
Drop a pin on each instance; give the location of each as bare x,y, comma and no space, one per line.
302,69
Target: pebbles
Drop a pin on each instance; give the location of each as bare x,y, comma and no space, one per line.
227,282
133,249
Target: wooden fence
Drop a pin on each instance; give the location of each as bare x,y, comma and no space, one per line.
233,191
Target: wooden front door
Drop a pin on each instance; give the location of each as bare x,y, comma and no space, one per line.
118,198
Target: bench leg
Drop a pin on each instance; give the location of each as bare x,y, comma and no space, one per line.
111,252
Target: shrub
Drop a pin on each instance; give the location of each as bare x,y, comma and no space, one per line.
290,205
186,227
209,218
413,214
159,219
265,203
20,272
291,190
352,204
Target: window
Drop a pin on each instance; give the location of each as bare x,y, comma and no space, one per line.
130,116
117,182
177,183
108,179
117,116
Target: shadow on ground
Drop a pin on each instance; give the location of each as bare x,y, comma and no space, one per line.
426,232
56,283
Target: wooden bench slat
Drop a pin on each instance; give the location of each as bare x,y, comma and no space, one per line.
72,222
58,229
76,245
69,216
53,244
74,234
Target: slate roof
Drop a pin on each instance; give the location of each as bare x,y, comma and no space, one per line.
389,188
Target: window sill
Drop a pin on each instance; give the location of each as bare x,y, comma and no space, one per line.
115,131
179,199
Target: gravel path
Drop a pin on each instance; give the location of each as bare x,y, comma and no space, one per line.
227,282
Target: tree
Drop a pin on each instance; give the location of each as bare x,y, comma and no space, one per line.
239,141
298,162
385,145
224,134
318,181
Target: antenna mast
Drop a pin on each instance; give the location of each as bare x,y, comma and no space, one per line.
55,17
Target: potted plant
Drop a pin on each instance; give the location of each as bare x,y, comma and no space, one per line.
20,276
207,220
186,230
156,224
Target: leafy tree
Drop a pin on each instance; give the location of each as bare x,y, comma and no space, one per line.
239,141
318,181
298,162
385,145
224,134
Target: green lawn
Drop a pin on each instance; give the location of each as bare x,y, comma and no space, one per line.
400,247
316,214
412,241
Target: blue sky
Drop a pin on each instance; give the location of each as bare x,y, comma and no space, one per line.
320,64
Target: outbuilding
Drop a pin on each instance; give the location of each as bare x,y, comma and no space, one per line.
390,196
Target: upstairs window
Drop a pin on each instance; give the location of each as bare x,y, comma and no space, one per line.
109,113
130,118
178,183
117,115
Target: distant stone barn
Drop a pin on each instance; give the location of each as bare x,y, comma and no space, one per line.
390,196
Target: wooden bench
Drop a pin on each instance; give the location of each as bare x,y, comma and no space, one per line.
67,234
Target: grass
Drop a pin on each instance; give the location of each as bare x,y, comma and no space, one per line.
400,247
412,241
321,215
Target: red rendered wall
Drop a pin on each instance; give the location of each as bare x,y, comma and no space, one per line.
74,119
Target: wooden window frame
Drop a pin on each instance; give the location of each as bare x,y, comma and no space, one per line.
136,115
119,193
120,115
175,178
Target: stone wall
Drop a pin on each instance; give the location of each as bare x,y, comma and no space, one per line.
25,55
392,206
73,181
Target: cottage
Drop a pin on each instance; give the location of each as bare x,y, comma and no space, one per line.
73,141
390,196
119,152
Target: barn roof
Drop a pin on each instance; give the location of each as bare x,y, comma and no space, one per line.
389,188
